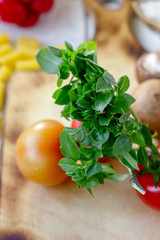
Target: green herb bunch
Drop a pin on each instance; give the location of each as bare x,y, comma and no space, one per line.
110,126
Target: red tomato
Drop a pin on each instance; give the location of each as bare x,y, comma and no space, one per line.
38,153
76,124
152,195
41,6
31,20
12,11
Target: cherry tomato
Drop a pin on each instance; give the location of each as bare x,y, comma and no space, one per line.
152,194
31,20
38,153
76,124
41,6
12,11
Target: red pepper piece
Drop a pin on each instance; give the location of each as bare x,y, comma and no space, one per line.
12,11
41,6
26,1
31,20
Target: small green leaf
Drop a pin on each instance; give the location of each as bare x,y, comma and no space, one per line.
123,84
94,169
89,46
68,165
138,138
73,96
124,100
102,100
48,61
66,112
63,71
124,117
142,156
98,138
92,182
108,148
56,51
104,121
59,82
111,174
146,135
69,46
68,147
109,79
61,95
131,160
116,177
122,145
76,133
102,85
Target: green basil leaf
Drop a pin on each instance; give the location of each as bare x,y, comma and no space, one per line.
104,121
146,135
89,46
61,95
92,182
111,174
68,165
66,112
108,148
63,71
130,158
59,82
97,138
102,85
48,61
122,145
124,100
56,51
76,133
124,117
116,177
69,46
142,156
94,169
138,138
102,100
123,84
68,146
109,79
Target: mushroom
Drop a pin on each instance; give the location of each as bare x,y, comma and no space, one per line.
147,104
148,66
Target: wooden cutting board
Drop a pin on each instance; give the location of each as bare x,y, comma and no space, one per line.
30,211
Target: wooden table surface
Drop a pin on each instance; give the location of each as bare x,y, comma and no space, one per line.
30,211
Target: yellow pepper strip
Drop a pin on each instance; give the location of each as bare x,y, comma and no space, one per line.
4,38
27,52
10,58
5,48
0,124
5,73
30,64
2,94
28,42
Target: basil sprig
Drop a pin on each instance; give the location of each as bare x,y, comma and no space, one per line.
110,126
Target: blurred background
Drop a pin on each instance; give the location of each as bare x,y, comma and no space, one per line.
54,21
